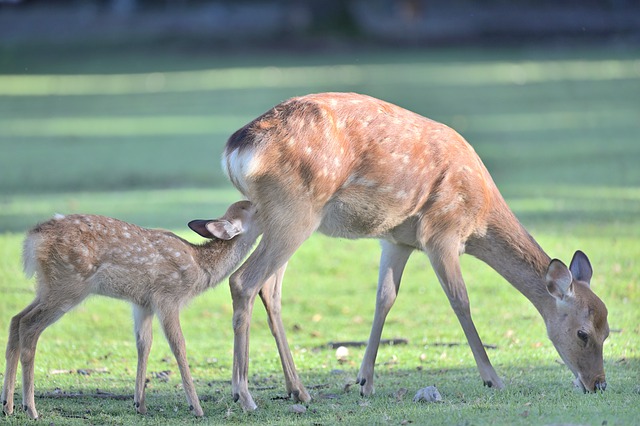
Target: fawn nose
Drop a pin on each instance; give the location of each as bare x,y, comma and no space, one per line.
600,385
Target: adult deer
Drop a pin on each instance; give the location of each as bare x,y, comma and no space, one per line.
352,166
158,272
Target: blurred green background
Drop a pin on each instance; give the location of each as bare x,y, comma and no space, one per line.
124,110
139,139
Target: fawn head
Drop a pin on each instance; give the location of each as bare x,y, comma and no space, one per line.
579,327
238,219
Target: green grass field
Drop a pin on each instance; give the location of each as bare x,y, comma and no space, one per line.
138,135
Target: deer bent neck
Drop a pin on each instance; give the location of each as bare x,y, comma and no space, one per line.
512,252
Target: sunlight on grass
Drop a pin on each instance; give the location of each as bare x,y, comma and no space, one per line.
173,125
552,120
458,74
169,208
559,137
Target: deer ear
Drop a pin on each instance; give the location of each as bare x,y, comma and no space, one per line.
559,280
581,267
223,229
199,226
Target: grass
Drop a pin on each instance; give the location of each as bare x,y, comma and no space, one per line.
138,135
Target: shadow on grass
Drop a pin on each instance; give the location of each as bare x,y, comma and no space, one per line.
334,393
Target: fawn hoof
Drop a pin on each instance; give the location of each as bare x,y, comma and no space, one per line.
7,409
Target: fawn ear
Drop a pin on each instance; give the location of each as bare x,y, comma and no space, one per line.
199,226
581,267
219,228
559,280
223,229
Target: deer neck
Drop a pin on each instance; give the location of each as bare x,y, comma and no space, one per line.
511,251
220,258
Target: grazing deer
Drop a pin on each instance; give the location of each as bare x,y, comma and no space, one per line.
158,272
351,166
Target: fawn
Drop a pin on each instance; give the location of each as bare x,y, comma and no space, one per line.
352,166
158,272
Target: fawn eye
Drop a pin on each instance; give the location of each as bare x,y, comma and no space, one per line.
582,335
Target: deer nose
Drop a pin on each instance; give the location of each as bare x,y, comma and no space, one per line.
600,385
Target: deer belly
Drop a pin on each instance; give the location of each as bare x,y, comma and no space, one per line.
361,219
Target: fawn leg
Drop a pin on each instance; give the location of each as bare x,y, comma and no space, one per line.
271,295
143,321
12,357
170,320
32,324
392,262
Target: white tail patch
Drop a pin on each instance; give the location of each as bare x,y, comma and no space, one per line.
239,164
30,255
58,216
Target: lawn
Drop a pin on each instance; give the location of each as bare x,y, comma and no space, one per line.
137,134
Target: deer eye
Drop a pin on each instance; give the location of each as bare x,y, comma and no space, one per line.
582,335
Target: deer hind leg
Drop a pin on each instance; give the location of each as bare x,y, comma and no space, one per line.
143,321
32,324
446,264
273,252
170,321
271,295
392,262
12,357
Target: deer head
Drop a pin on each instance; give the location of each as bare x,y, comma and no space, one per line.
579,327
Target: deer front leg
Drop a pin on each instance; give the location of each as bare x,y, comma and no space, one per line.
143,321
447,268
170,321
392,262
271,295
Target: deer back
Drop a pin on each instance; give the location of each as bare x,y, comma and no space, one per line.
362,166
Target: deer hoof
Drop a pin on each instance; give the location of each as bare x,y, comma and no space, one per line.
31,412
7,409
141,408
301,395
246,402
196,411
